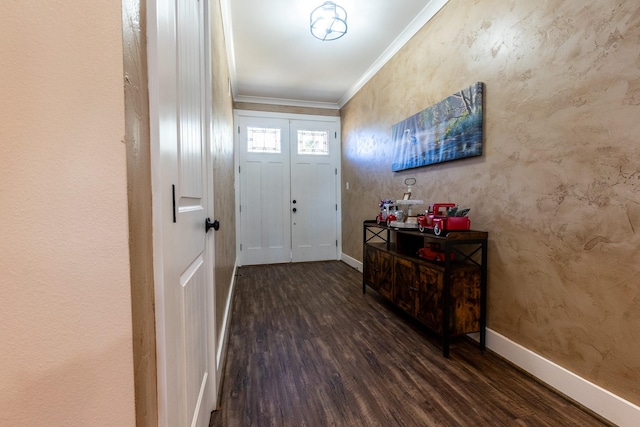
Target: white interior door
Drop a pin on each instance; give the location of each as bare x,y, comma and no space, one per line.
314,182
182,250
288,193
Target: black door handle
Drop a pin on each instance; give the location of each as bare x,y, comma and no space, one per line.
208,224
294,202
295,210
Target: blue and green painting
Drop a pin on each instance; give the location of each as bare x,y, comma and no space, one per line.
448,130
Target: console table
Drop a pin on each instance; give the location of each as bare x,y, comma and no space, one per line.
449,297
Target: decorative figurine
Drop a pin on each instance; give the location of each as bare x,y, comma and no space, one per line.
433,252
444,217
386,206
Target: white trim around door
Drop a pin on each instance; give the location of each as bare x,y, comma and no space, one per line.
277,155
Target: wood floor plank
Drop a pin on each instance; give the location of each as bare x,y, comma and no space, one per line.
307,348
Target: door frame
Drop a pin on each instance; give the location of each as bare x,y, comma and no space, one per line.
210,241
287,116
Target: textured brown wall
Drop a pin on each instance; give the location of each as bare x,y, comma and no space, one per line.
139,202
222,148
558,186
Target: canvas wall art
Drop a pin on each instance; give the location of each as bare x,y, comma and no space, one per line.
448,130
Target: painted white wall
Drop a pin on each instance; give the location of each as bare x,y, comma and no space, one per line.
65,305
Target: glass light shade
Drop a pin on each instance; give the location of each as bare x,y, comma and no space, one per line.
328,21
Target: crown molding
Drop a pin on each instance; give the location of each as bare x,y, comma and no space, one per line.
227,28
429,11
286,102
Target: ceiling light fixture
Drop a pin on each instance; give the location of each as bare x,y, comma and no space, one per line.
328,21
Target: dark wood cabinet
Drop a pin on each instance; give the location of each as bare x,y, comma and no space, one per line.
380,275
429,296
448,297
404,296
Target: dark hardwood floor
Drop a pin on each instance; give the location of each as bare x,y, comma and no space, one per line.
307,348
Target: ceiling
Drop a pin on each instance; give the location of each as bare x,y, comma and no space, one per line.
274,59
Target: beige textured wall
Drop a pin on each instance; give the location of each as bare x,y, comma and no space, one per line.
223,163
558,186
65,301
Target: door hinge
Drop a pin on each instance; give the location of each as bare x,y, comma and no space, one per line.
336,243
238,169
173,196
240,247
240,208
336,206
335,134
238,130
336,171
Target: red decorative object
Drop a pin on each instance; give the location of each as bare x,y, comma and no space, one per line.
433,252
390,218
438,220
386,208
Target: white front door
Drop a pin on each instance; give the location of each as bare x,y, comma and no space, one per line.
314,181
182,183
288,195
265,235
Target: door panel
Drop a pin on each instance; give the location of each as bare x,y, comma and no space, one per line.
385,274
313,225
265,234
404,293
314,154
194,309
429,304
184,285
192,205
371,267
265,222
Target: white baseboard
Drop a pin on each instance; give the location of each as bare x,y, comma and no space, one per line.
223,339
604,403
351,262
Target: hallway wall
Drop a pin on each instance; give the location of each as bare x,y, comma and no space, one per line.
223,166
139,191
65,301
558,185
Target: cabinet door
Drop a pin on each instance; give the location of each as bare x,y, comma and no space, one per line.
371,267
429,297
378,270
385,274
465,300
405,278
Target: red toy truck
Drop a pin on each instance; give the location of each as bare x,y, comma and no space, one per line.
433,252
439,220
